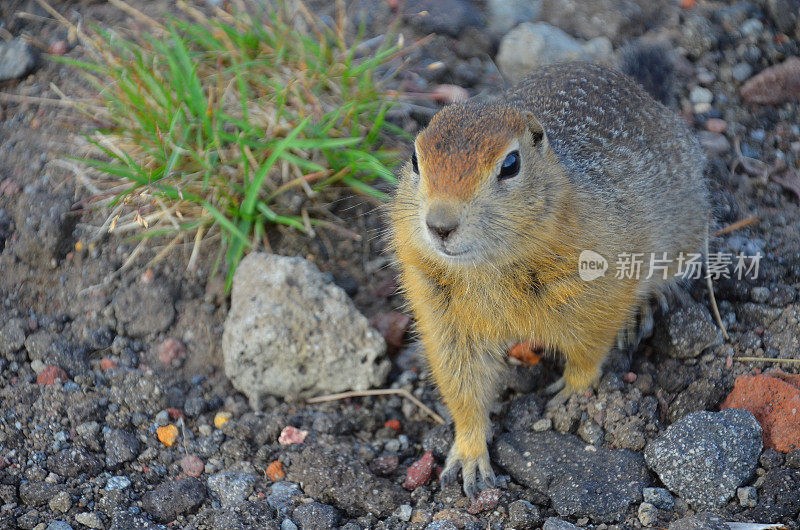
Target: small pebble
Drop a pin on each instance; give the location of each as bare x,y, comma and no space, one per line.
748,496
629,377
175,414
58,47
107,364
393,424
384,465
648,514
162,418
404,512
192,465
419,473
742,72
545,424
659,497
118,483
89,520
700,95
171,350
220,418
716,125
751,27
486,500
292,435
275,471
61,502
167,435
49,375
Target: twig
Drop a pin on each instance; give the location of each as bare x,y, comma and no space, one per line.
777,360
381,392
753,219
711,297
16,98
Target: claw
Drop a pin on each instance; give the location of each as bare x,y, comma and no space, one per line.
470,469
556,387
559,399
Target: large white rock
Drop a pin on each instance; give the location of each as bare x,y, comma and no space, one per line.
291,333
533,45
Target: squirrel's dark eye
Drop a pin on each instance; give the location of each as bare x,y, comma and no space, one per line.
510,166
414,164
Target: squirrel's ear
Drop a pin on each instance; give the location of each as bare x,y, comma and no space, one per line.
537,131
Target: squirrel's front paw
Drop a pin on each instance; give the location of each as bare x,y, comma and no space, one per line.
469,466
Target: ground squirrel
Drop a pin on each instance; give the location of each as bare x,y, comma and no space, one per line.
495,207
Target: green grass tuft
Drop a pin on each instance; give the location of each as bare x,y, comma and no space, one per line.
228,125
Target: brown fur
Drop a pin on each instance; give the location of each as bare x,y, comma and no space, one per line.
623,176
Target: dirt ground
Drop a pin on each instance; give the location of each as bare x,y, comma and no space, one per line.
85,453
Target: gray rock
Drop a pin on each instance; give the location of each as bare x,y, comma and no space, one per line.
701,394
505,14
714,143
748,496
742,72
701,521
523,413
705,456
619,20
120,446
59,525
61,502
143,309
448,17
171,499
443,524
698,35
12,335
231,488
89,520
120,482
404,512
648,514
289,332
38,493
47,347
554,523
685,332
701,95
42,227
532,45
73,462
283,496
580,481
333,478
523,515
17,59
659,497
316,516
438,440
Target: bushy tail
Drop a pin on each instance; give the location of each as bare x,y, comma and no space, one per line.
652,66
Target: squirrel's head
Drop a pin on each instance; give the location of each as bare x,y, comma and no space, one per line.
482,182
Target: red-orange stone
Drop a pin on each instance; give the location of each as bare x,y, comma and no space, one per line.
49,375
420,472
774,399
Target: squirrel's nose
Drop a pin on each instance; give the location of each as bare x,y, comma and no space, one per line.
442,222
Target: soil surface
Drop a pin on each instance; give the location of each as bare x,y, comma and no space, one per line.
89,449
